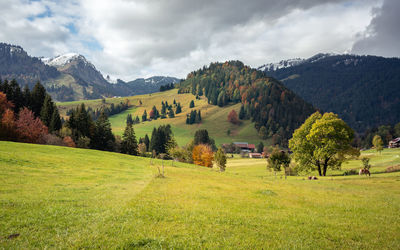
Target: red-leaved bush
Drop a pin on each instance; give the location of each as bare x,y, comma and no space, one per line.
29,128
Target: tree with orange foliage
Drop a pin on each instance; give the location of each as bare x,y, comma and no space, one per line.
7,126
203,155
4,103
233,117
69,142
30,129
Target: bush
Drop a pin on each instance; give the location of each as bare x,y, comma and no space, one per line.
51,139
351,172
393,169
69,142
83,142
292,170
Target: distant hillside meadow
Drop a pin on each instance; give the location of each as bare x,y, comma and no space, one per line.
215,119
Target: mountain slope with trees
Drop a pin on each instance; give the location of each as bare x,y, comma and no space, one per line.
275,110
363,90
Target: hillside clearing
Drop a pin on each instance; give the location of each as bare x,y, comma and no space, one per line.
214,118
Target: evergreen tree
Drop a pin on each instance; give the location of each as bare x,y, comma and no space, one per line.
171,113
55,123
191,105
47,109
103,138
26,96
144,116
147,142
242,113
260,147
38,95
137,120
163,109
129,119
198,117
201,137
178,108
80,123
129,143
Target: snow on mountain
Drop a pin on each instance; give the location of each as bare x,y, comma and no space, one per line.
294,62
282,64
64,59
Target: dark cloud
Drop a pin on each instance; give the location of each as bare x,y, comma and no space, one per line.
382,36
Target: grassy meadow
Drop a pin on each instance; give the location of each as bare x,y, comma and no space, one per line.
214,118
58,197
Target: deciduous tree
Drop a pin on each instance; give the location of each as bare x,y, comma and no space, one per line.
378,143
220,159
29,128
322,142
233,117
203,155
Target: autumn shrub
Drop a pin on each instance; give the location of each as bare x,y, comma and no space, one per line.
233,117
203,155
69,142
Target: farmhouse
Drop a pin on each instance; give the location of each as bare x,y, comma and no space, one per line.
244,146
255,155
395,143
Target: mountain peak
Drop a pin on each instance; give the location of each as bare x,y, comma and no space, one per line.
62,60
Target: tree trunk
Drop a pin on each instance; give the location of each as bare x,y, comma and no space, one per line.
325,166
319,169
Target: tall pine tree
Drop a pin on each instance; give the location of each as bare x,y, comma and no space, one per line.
103,138
129,143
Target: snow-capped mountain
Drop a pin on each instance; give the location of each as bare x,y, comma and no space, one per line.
70,76
293,62
282,64
62,60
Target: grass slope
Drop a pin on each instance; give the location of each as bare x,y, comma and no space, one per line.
75,198
214,118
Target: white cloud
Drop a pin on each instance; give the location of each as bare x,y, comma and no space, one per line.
129,39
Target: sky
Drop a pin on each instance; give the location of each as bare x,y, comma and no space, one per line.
127,39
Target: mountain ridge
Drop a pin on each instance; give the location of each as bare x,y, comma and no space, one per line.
364,90
70,76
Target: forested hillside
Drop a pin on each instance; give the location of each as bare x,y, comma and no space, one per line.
275,110
363,90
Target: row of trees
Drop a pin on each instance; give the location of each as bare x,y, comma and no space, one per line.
167,87
27,116
110,110
193,117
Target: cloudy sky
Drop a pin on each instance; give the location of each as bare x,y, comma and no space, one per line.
139,38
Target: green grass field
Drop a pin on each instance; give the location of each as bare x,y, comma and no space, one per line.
57,197
214,118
